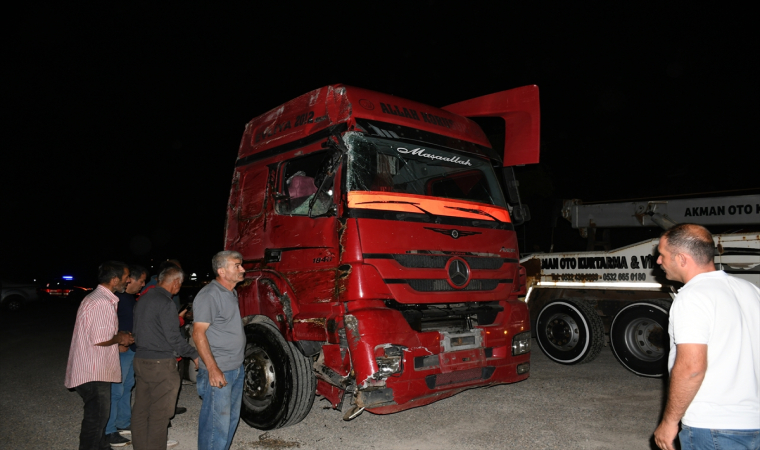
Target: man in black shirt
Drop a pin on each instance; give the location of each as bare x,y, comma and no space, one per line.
158,340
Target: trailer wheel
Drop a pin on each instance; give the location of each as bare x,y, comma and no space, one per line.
279,381
639,338
570,332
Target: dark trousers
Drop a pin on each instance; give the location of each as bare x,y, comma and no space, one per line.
181,370
156,385
97,408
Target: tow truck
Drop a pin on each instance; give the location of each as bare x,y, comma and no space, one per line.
576,298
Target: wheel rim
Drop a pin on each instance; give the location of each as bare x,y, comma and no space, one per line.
260,379
14,305
645,339
562,331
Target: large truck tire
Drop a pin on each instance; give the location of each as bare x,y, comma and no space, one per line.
639,337
279,380
570,331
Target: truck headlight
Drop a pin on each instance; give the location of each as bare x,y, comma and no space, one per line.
521,343
390,360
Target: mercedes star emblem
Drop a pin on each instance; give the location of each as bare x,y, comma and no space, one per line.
459,273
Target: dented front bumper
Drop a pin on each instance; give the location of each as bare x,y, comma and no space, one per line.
397,368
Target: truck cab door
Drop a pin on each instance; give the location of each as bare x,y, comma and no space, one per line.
303,231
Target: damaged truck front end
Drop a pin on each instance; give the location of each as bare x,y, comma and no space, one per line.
382,268
419,367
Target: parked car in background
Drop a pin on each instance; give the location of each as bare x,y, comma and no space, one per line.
15,295
67,289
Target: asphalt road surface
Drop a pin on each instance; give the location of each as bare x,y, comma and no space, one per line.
593,406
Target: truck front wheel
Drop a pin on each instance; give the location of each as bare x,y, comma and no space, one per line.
639,338
279,380
570,332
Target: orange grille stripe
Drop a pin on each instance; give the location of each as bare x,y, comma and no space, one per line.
438,206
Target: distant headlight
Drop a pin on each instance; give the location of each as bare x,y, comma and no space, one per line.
521,343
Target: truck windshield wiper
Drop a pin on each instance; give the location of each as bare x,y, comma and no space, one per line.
328,177
432,216
340,150
475,211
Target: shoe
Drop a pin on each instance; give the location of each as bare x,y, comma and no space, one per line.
180,410
126,432
117,440
171,443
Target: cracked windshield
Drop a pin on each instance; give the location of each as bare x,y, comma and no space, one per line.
383,165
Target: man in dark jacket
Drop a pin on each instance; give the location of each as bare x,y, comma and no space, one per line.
158,341
121,393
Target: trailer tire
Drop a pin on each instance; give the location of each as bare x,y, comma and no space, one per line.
279,383
570,331
639,337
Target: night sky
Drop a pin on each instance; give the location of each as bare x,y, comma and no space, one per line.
122,122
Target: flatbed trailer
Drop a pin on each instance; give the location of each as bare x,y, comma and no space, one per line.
576,298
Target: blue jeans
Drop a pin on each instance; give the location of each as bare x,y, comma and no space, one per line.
121,395
706,439
220,411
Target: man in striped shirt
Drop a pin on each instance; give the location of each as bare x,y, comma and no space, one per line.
94,355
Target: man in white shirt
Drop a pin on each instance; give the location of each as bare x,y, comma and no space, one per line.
714,349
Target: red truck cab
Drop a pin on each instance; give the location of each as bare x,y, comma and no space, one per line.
381,260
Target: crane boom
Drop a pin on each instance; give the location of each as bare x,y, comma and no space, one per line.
733,210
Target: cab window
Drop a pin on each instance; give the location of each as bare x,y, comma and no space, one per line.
299,181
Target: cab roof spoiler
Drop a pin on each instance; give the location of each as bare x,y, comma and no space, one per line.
520,110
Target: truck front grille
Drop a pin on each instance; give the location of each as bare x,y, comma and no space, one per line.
453,317
424,285
422,261
438,261
433,285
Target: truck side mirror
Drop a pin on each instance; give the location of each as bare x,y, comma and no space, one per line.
519,212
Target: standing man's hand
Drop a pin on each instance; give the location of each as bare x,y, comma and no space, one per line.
216,378
125,338
685,379
196,363
665,434
215,375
